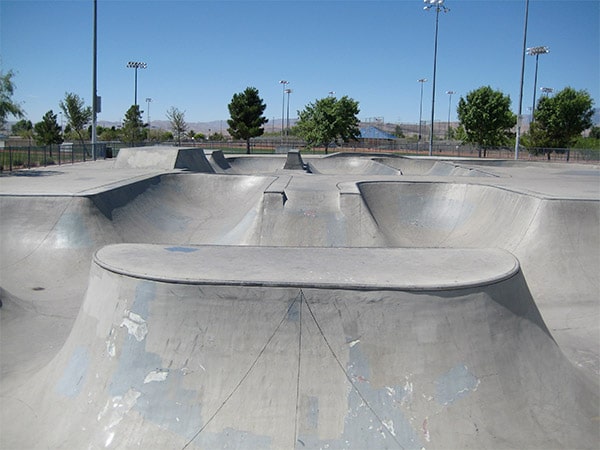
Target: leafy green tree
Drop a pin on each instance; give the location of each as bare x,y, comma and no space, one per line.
7,106
78,115
133,126
48,132
246,110
328,120
560,120
177,120
216,137
108,134
486,117
22,127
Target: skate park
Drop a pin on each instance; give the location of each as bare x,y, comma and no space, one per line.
186,298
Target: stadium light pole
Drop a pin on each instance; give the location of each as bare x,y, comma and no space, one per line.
148,101
287,121
536,51
422,80
439,6
520,110
449,109
283,83
94,83
136,65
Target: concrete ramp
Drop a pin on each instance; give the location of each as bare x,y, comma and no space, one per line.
218,159
163,157
350,165
304,348
294,161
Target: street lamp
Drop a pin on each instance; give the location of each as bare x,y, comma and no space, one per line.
439,6
283,83
422,80
449,108
148,101
536,51
136,65
287,123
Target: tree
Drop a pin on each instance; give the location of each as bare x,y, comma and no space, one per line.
78,115
22,127
328,120
177,121
133,125
246,110
7,106
48,131
108,134
486,117
560,120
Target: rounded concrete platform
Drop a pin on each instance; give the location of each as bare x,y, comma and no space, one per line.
326,267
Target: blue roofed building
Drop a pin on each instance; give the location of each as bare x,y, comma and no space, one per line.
372,132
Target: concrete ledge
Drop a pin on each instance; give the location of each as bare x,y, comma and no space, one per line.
163,157
330,268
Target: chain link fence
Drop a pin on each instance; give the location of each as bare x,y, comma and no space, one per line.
23,157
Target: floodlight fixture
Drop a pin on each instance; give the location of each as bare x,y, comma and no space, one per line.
534,51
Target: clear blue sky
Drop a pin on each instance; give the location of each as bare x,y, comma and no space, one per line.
199,53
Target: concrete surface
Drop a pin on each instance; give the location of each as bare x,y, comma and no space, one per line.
287,301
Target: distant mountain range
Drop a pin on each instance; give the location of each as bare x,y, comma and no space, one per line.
215,126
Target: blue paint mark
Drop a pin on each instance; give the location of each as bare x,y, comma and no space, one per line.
145,293
165,403
362,427
454,384
74,375
181,249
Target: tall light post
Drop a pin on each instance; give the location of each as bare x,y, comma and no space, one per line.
520,110
136,65
449,109
287,121
422,80
536,51
439,6
148,101
94,82
283,83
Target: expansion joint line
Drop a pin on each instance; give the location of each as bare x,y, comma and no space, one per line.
246,374
302,300
349,378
